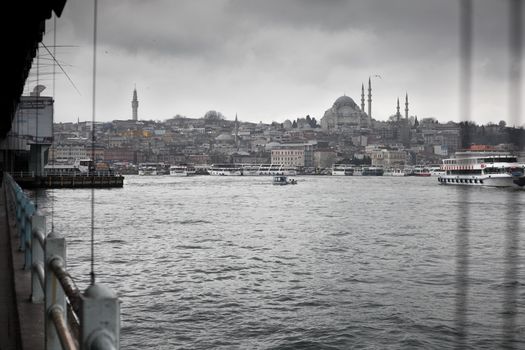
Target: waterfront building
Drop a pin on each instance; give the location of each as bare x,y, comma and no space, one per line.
388,157
118,154
74,151
294,155
27,142
324,158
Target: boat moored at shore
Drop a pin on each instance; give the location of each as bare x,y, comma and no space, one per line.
225,170
483,168
182,170
394,172
151,169
342,170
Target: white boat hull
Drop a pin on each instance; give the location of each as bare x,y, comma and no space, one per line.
495,180
225,172
147,173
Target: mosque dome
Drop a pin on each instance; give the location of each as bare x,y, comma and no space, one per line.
344,101
224,138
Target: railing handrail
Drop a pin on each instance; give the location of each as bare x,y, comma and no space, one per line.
66,282
98,314
64,334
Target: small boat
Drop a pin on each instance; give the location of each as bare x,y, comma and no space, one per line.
283,180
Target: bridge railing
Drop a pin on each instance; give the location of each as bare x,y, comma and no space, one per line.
95,313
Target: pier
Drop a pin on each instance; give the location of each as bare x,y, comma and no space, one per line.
29,180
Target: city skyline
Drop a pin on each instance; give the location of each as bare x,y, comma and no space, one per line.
271,61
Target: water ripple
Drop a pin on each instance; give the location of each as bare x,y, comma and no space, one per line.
332,263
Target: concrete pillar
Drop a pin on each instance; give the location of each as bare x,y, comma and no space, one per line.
99,319
54,296
37,255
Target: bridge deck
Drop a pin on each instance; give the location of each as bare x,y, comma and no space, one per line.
21,322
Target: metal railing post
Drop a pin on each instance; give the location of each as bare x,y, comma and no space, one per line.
37,256
55,250
99,319
19,218
28,214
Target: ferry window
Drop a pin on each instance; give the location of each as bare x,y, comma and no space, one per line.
480,181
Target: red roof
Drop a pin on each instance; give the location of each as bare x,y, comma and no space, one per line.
481,148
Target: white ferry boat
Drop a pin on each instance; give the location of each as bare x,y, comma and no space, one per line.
483,168
225,170
276,169
78,167
149,169
419,171
182,170
267,170
342,170
394,172
436,171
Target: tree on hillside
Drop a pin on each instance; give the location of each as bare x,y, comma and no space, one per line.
213,116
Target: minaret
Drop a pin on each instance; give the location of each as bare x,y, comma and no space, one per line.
406,106
369,98
398,114
363,98
135,105
236,132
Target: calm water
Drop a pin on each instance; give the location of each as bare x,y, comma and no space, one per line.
331,263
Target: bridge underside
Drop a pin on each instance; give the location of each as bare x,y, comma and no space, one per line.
22,28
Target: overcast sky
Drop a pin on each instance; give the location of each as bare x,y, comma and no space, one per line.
271,60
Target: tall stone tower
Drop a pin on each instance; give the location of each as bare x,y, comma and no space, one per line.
135,105
236,132
398,114
369,98
363,98
406,106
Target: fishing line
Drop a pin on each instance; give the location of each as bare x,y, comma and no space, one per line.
37,148
52,193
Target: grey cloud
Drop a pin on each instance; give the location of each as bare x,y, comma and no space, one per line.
305,45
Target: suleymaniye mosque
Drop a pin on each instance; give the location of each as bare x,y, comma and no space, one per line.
345,114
